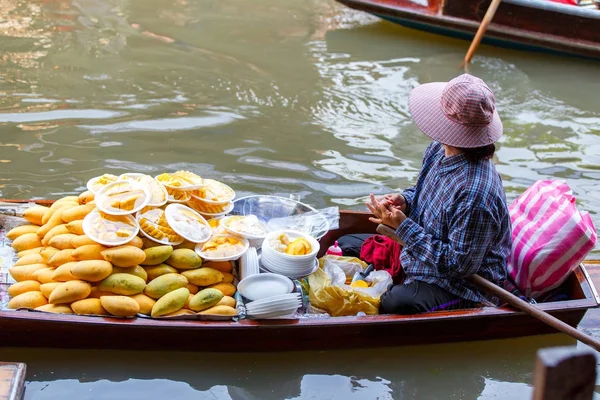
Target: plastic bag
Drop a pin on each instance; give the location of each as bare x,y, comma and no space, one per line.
315,223
349,265
329,292
550,237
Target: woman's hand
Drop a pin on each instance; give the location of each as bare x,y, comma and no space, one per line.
395,199
386,213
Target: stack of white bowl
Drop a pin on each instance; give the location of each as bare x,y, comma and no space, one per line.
274,306
292,266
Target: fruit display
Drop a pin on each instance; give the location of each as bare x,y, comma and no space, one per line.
120,259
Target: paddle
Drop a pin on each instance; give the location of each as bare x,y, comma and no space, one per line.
487,18
514,300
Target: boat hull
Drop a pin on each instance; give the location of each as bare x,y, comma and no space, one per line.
40,329
518,24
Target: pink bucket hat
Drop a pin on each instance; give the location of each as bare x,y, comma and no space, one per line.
459,113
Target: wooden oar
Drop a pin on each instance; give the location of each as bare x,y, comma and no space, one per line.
487,18
514,301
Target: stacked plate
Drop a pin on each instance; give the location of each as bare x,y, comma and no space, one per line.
274,306
292,266
249,263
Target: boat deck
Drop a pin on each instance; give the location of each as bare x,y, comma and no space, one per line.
12,380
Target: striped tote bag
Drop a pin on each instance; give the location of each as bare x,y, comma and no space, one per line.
550,237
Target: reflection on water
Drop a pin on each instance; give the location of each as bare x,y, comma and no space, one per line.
478,370
277,97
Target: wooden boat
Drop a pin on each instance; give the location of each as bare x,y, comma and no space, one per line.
533,25
22,328
12,380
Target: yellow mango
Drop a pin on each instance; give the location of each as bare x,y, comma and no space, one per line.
193,288
206,298
57,230
63,272
67,199
53,221
164,284
35,214
24,253
186,244
120,306
21,287
47,288
76,213
203,276
137,271
30,259
147,243
75,227
124,256
157,255
69,292
97,293
89,252
91,270
187,303
182,311
27,300
61,257
157,270
170,302
227,301
62,241
136,242
44,275
21,230
48,252
55,308
25,272
26,241
146,303
124,284
81,240
223,266
227,277
184,259
226,288
85,197
88,306
220,310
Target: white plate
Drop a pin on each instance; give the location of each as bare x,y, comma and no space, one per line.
282,305
116,188
152,217
192,227
185,187
212,182
158,192
280,313
260,286
90,230
274,299
207,256
93,185
292,275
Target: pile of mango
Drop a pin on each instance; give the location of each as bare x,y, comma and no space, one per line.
61,270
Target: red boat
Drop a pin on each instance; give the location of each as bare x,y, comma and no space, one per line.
533,25
38,329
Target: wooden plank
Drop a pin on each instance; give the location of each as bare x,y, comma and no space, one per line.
12,380
564,373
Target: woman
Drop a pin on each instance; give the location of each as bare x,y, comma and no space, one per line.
454,222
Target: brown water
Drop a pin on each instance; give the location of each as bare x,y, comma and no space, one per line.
274,97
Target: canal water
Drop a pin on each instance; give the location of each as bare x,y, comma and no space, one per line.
282,97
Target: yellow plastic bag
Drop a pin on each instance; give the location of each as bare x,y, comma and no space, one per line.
329,292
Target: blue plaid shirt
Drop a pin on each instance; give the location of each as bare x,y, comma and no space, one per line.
457,225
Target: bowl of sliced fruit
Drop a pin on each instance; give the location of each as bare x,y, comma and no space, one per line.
222,248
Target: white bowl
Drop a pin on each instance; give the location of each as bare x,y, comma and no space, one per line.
260,286
314,244
209,257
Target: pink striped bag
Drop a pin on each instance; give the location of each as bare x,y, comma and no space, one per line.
550,237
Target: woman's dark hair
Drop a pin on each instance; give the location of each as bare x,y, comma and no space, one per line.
479,153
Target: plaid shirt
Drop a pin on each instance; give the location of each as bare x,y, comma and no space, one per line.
458,225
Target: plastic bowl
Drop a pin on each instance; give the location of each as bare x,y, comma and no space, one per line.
225,224
314,245
210,182
207,256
